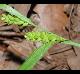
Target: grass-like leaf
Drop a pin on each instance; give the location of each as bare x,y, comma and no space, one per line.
35,57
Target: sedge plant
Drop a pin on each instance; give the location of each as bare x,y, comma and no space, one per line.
47,39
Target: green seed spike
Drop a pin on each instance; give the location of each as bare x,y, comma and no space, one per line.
44,37
9,19
47,37
14,12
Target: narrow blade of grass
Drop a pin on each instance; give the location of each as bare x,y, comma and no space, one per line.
31,61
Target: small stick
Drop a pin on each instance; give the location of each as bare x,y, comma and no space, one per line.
3,33
5,28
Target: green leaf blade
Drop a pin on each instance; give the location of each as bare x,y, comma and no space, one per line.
35,57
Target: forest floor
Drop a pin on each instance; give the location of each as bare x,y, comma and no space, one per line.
62,19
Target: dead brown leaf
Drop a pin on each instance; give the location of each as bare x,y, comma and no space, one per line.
22,8
74,63
52,17
22,49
